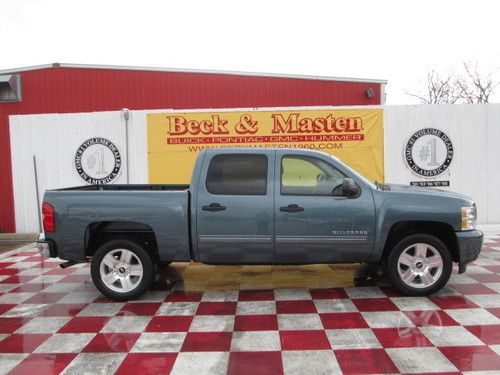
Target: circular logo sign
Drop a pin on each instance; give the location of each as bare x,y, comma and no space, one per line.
429,152
98,161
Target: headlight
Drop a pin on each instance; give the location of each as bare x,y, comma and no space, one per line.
469,215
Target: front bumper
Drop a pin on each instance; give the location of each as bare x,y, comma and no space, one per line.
470,244
46,248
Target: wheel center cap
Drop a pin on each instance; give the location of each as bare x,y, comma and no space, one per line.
121,269
419,265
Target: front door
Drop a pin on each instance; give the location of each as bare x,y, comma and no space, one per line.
315,223
235,209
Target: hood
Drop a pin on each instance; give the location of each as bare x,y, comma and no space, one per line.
410,189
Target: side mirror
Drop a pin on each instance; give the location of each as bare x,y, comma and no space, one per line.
349,188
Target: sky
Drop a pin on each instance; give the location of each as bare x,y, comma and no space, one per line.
400,41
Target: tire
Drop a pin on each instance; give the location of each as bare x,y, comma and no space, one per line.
419,265
122,270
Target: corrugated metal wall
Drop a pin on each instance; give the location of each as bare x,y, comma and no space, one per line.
66,90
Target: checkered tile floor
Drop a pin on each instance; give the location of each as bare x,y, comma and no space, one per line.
53,320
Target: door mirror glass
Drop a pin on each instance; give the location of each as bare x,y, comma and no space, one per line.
349,188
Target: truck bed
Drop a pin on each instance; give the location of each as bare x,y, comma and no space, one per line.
128,187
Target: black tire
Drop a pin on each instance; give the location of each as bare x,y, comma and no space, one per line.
393,265
148,269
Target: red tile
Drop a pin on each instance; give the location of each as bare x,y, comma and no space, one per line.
147,363
343,320
495,269
169,324
486,277
9,271
29,288
207,342
179,296
9,325
47,298
365,361
6,307
17,343
139,308
295,307
255,323
472,358
404,337
34,258
495,311
41,364
16,279
111,342
256,295
332,293
64,309
6,264
489,334
83,324
426,318
261,363
374,304
452,302
471,289
216,308
304,340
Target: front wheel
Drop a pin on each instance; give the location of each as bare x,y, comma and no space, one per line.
419,264
122,270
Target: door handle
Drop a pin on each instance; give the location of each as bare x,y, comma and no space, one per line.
292,208
213,207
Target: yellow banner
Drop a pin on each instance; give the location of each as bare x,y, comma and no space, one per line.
353,135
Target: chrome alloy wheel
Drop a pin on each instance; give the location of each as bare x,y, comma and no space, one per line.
420,265
121,270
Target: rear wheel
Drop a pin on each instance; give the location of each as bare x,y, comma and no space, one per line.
122,270
419,264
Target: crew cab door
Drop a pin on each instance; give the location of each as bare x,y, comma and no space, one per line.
235,208
315,223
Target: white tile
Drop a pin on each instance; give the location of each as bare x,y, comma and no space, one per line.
473,269
5,288
414,303
80,297
9,361
299,322
159,342
420,360
450,336
178,308
62,287
312,362
250,341
335,305
94,363
32,272
493,286
65,343
212,323
25,310
15,297
470,317
461,279
101,309
256,308
486,300
496,348
291,294
220,296
387,319
362,338
201,363
365,292
47,279
14,258
44,325
126,324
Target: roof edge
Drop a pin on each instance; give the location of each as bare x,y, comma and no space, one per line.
195,71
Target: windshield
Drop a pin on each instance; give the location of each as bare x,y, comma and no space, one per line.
356,174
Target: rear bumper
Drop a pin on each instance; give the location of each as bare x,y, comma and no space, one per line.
46,248
469,246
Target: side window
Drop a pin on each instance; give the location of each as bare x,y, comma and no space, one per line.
237,175
305,175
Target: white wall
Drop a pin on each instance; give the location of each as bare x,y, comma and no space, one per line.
54,138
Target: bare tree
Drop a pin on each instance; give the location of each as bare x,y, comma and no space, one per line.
470,87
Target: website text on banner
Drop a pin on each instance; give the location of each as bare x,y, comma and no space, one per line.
353,135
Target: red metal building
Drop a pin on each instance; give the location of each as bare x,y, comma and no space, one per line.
67,88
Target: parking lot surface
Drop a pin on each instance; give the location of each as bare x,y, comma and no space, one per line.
201,319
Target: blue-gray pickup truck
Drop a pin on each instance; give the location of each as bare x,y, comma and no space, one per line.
261,206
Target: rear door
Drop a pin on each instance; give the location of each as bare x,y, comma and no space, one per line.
235,208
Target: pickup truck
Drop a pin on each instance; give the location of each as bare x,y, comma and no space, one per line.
261,206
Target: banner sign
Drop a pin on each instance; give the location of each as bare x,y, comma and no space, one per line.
353,135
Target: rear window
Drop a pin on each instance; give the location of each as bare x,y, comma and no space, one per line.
237,175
